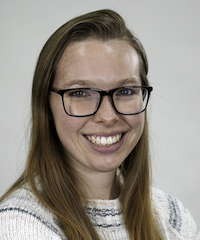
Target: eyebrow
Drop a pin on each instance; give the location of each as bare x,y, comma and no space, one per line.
85,83
89,83
133,81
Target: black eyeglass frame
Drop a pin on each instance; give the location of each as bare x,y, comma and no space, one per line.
102,94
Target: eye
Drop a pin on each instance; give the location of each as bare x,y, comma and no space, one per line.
126,91
78,93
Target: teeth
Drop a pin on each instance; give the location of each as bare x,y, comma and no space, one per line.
103,141
110,140
114,140
117,138
93,140
98,141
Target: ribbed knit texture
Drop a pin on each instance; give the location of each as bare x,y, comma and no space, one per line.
22,217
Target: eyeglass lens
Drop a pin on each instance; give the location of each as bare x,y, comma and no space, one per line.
127,100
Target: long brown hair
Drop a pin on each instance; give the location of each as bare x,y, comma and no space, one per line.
46,163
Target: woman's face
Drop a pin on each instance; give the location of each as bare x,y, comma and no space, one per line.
104,66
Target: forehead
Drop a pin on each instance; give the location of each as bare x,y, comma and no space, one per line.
98,61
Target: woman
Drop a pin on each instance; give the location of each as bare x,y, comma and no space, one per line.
88,171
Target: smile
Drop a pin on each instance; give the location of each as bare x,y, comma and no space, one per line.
104,141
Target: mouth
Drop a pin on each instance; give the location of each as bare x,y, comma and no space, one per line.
104,141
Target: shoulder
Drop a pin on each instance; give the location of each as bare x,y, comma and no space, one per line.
23,217
173,217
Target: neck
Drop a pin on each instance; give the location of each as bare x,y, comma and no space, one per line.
100,186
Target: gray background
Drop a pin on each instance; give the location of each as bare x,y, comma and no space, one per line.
170,33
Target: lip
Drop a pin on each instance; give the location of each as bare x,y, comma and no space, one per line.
106,149
103,134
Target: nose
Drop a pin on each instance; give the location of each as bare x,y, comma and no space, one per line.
106,114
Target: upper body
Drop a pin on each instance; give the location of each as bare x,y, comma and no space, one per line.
23,217
89,140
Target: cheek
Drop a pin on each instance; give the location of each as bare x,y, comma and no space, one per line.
136,122
68,128
63,123
66,125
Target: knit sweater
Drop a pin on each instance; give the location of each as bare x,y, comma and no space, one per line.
22,217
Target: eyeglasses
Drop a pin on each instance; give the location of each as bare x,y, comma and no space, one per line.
83,102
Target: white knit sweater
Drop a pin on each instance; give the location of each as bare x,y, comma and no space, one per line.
22,218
